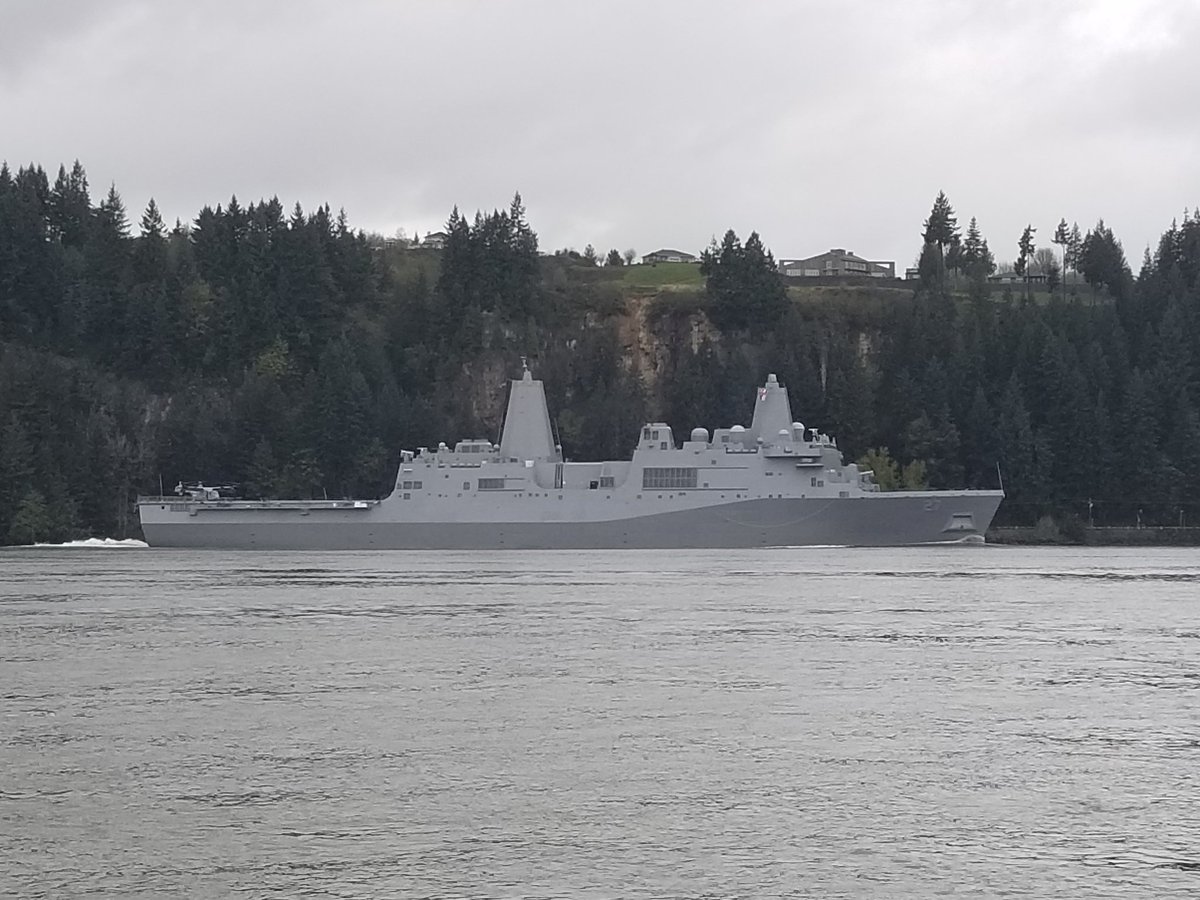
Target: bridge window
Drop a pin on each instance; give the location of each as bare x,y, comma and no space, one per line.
606,481
670,478
491,484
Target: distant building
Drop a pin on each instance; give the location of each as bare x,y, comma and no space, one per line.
435,240
837,262
665,256
1014,278
912,274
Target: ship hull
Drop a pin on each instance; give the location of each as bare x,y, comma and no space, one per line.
876,519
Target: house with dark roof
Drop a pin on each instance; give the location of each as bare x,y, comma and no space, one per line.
665,256
1011,277
837,262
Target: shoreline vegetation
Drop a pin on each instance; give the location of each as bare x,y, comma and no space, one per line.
1050,534
291,355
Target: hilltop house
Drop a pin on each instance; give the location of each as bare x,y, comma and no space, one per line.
665,256
837,262
435,240
1011,277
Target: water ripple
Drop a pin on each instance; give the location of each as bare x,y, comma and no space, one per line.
836,722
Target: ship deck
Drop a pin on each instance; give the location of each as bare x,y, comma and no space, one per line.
178,503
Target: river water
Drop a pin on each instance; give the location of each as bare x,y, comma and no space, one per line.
839,723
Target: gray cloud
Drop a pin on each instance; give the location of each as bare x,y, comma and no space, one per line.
622,123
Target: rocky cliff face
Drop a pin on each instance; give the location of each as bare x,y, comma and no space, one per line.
659,339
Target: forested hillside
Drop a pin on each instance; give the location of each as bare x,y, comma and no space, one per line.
288,353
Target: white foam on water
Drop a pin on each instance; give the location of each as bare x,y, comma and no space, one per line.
96,543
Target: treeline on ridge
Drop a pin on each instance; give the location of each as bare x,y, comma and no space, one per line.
293,355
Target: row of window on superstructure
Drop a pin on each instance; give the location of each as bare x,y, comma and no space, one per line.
668,477
498,484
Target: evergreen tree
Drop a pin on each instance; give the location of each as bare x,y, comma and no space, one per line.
16,468
30,262
1182,448
1102,264
979,443
108,253
111,214
692,397
934,441
1026,246
492,264
954,255
1062,237
1017,449
940,232
263,473
1073,248
848,400
1149,479
930,268
941,227
31,522
70,207
977,261
743,284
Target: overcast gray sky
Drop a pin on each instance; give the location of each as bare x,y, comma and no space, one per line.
626,124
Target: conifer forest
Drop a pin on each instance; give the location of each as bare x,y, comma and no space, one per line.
281,350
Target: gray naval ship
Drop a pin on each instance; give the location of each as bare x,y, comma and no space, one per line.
773,484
